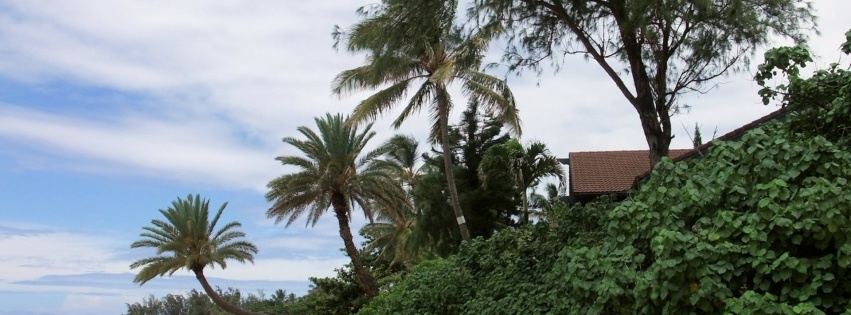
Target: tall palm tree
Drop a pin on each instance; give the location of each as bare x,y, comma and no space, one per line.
189,239
333,173
526,165
413,44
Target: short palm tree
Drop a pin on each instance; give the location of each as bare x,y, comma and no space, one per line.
403,150
393,231
334,174
547,205
189,239
526,165
415,45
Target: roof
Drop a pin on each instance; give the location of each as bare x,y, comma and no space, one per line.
608,172
605,172
734,135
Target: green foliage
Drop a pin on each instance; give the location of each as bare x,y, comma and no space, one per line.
334,163
757,226
198,303
419,293
189,239
501,275
487,206
341,295
819,102
525,167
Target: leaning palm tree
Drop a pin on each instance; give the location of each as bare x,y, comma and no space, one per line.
416,46
526,165
334,174
189,239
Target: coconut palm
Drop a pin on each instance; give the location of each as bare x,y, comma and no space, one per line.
334,174
393,235
415,46
393,231
189,239
546,205
526,165
403,150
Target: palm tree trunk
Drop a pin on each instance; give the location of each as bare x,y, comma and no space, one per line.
525,208
443,113
199,274
364,278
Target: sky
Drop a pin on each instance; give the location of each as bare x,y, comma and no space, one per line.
110,110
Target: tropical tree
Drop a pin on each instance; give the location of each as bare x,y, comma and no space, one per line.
546,206
403,150
335,173
189,239
490,207
527,166
654,51
415,46
393,231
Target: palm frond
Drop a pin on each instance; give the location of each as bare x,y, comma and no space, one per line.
187,239
379,103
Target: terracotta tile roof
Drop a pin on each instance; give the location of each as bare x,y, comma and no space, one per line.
606,172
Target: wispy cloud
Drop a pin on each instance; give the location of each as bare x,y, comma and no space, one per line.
88,273
193,151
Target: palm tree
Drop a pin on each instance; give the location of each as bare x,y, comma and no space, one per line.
546,205
393,231
416,43
334,174
526,165
188,239
403,150
393,235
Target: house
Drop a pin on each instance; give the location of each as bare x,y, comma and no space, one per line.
607,173
615,173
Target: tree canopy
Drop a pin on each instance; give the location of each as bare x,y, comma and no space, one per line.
653,51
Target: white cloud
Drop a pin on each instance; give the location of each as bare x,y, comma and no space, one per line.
30,255
193,151
221,73
40,259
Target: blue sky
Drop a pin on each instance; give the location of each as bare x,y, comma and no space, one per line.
111,110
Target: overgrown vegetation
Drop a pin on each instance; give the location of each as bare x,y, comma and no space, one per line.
757,226
197,303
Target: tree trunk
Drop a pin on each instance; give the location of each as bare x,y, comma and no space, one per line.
443,120
525,208
658,138
364,278
199,274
